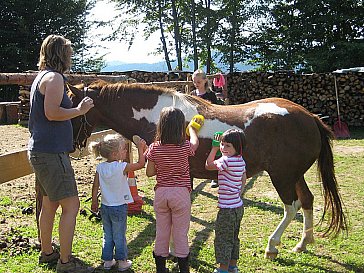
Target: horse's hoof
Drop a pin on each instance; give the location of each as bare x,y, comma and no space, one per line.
271,255
299,249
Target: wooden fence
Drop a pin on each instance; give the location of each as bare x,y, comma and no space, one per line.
15,164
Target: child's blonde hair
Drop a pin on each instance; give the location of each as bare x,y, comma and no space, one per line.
104,147
202,75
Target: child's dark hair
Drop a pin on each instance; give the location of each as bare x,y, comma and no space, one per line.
236,138
171,128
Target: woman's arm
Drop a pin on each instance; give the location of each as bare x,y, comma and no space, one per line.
52,87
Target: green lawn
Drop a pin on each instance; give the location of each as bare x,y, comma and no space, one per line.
263,212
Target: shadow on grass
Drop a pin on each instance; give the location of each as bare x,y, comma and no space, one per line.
314,267
358,268
264,205
147,236
356,132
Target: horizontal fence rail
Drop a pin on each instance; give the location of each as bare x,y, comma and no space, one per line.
15,164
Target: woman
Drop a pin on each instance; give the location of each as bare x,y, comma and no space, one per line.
50,142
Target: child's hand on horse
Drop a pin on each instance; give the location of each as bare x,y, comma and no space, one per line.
140,143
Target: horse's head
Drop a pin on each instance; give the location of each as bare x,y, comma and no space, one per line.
83,125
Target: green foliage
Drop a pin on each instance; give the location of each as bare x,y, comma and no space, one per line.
315,36
24,25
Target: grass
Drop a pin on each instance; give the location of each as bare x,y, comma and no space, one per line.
263,211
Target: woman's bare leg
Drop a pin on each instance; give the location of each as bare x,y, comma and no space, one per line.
46,221
67,223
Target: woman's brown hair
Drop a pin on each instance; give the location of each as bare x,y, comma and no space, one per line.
55,53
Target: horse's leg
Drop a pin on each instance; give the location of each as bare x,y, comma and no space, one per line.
274,240
306,198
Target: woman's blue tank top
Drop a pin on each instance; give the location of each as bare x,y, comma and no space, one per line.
48,136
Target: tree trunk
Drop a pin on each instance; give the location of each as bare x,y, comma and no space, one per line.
232,41
163,39
177,36
208,38
194,42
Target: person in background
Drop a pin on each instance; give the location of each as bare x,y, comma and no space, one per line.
111,177
204,91
50,142
168,160
232,178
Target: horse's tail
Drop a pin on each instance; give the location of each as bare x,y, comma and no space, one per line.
325,168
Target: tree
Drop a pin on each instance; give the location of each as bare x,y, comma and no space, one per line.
333,33
311,35
24,25
231,28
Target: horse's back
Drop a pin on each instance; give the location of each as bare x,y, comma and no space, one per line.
280,135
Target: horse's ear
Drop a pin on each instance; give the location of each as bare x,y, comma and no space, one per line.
75,91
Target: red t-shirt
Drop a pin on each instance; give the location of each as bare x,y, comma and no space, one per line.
171,163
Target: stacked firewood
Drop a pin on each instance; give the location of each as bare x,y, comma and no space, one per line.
23,111
315,92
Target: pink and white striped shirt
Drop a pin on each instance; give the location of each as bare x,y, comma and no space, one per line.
230,172
171,162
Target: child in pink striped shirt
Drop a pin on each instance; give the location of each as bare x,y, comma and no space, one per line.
231,178
168,160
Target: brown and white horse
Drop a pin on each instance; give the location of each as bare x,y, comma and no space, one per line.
282,138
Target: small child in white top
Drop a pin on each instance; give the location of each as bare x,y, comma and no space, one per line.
111,178
231,178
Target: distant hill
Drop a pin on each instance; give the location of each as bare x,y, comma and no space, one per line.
119,66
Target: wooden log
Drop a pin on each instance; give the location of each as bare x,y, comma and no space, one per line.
27,78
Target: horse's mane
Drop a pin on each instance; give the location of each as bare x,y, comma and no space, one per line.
111,91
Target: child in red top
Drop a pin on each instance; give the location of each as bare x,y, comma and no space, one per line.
168,160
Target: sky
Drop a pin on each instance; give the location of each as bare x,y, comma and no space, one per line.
118,51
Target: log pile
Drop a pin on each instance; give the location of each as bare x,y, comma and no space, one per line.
23,111
315,92
28,77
